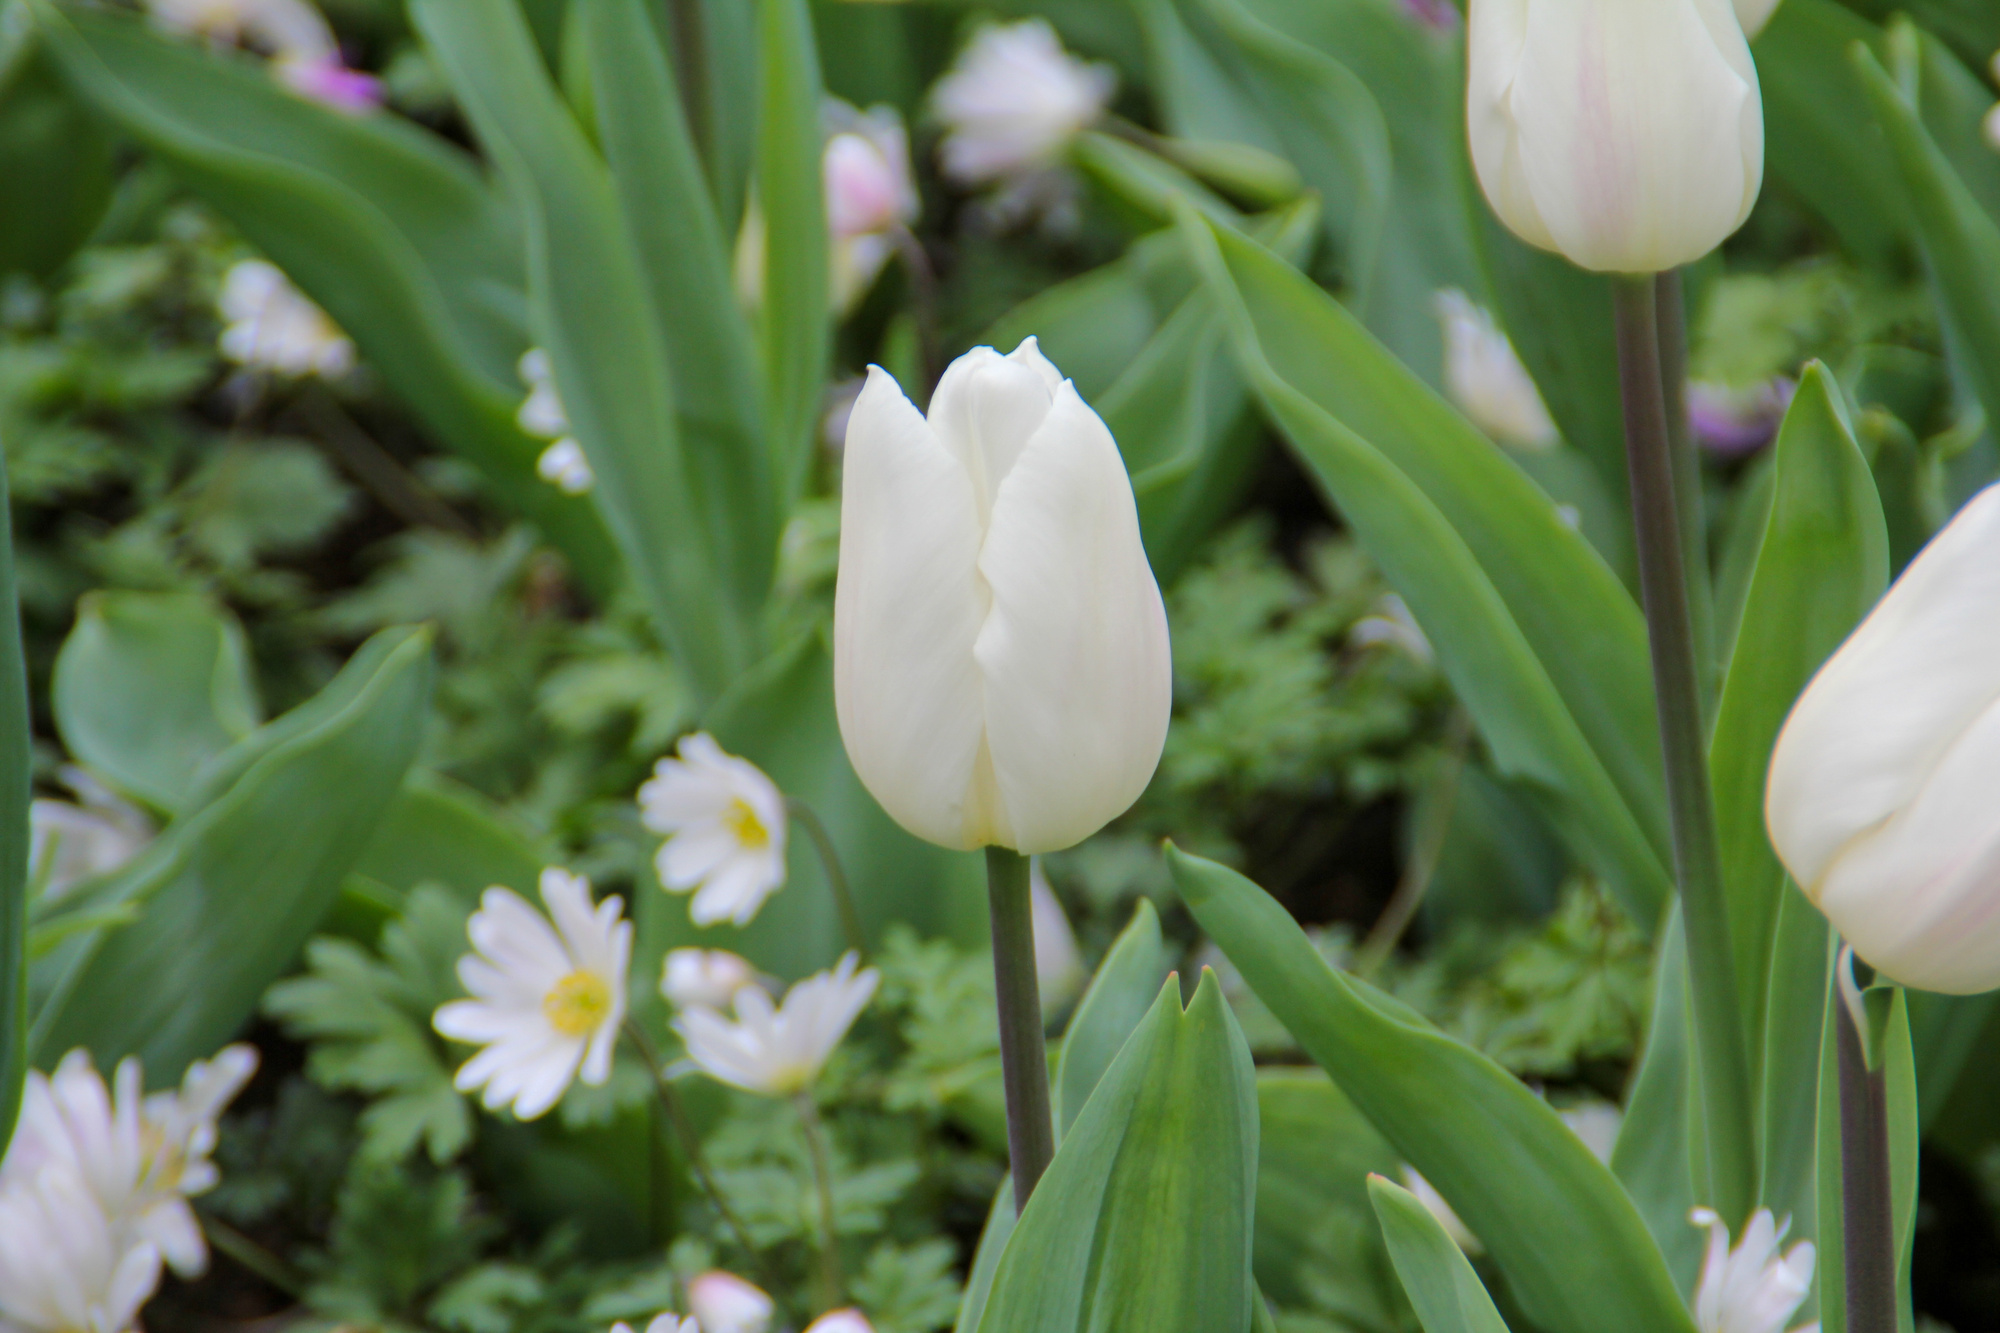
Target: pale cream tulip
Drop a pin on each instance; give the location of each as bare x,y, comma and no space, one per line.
1881,794
1001,670
1626,135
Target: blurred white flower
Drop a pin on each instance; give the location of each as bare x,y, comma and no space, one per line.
1597,1124
140,1158
1992,126
725,827
1013,101
1435,1205
706,977
1059,970
548,1000
304,54
724,1303
269,324
778,1052
63,1266
1391,623
662,1323
541,415
841,1321
1487,380
1732,422
1751,1288
69,843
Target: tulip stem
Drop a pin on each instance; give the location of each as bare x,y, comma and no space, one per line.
1024,1061
1671,305
830,1280
836,874
1725,1075
1868,1229
670,1102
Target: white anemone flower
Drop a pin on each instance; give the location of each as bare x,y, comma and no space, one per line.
706,977
141,1158
724,823
724,1303
667,1322
1486,379
1751,1288
547,999
1434,1204
68,844
779,1051
63,1265
541,415
849,1320
1013,101
268,324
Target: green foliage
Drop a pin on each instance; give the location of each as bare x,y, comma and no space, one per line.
367,1018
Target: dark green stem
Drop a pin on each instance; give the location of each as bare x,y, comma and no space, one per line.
1672,319
670,1103
1024,1061
253,1256
836,874
831,1283
1684,749
1868,1230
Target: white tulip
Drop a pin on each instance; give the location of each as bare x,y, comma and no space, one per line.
1752,15
725,827
269,324
1486,379
778,1051
141,1158
1001,668
1626,135
1013,101
724,1303
1880,798
1751,1288
547,999
706,977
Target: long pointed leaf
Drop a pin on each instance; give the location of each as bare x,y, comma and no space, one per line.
1447,1293
1553,1217
17,743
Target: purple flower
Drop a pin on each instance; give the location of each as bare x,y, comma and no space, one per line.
1730,423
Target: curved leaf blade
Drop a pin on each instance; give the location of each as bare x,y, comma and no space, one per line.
1441,1284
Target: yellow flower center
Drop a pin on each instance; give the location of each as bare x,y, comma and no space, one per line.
577,1003
744,825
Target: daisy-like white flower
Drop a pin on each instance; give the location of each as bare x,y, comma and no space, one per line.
1434,1204
724,1303
304,54
70,843
1751,1288
141,1158
63,1266
1013,101
725,827
268,324
779,1052
1059,970
547,999
1487,380
841,1321
662,1323
542,415
706,977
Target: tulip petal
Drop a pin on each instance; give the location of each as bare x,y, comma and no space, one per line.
1884,711
986,408
1074,656
907,609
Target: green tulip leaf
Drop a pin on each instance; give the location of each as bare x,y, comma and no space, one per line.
228,894
56,156
151,686
1315,1154
702,566
17,744
1441,1284
1576,1252
1542,644
1143,1221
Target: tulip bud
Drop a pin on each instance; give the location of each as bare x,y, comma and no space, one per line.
1880,799
1626,135
1001,670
